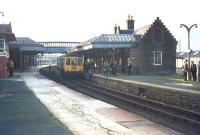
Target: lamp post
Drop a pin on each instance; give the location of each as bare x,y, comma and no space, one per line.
2,13
188,30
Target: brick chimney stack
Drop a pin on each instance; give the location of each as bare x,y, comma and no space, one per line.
115,29
130,23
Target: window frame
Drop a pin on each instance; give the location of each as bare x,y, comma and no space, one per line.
2,48
156,59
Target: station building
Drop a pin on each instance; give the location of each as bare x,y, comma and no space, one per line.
147,50
6,36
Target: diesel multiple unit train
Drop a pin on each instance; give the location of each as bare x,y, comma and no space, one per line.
69,65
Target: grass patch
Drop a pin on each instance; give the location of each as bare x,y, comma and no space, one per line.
178,79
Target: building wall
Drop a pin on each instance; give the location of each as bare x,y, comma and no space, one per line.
134,61
3,66
167,46
4,60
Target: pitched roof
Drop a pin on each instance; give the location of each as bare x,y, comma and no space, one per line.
108,41
195,54
26,44
115,38
141,31
184,55
25,41
56,49
6,30
181,55
126,31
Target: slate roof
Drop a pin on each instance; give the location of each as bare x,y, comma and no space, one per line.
183,55
115,38
26,44
56,49
6,30
195,54
110,41
126,31
25,41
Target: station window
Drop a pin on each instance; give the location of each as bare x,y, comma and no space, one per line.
157,57
1,45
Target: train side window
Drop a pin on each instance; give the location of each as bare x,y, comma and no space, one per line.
79,61
67,61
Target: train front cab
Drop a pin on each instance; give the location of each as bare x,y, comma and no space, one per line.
73,66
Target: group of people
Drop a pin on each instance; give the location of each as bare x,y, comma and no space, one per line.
110,68
194,70
10,67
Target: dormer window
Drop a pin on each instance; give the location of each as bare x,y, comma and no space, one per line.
1,45
157,36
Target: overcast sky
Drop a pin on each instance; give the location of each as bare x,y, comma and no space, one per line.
80,20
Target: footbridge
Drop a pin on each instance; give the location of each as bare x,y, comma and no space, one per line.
58,47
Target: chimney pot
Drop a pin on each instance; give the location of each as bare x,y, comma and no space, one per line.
128,17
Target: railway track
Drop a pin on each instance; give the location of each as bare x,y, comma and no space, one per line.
182,120
189,120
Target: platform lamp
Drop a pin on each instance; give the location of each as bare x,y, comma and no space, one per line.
2,13
190,51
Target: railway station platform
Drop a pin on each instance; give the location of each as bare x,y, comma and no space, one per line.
84,115
166,89
172,82
21,113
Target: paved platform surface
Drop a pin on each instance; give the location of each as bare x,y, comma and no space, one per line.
84,115
158,81
21,113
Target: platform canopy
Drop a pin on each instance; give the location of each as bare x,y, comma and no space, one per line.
56,49
109,41
184,55
27,44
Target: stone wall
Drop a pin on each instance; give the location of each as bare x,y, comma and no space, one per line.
181,98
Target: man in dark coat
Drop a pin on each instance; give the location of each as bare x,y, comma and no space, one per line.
193,70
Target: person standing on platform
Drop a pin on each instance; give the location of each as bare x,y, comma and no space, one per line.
114,68
107,65
193,70
11,67
198,72
185,70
